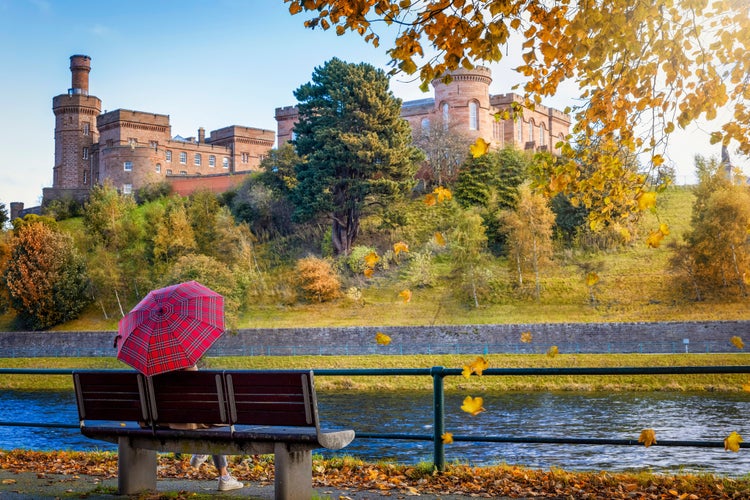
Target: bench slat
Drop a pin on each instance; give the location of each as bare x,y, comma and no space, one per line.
187,397
112,395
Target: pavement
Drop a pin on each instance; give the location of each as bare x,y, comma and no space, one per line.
35,485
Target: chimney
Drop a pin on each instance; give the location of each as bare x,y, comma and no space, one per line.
80,66
201,135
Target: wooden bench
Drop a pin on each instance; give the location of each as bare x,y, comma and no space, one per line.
251,413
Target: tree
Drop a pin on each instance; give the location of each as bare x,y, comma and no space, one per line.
530,236
356,147
444,146
675,63
467,244
4,217
46,279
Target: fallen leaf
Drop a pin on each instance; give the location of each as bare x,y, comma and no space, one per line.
406,295
737,342
382,339
553,351
526,337
732,442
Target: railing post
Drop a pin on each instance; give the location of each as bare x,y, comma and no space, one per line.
438,417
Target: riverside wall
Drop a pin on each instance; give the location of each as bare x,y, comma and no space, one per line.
635,337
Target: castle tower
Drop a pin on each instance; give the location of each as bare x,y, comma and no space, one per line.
465,101
75,131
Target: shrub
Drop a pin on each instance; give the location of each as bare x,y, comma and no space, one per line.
356,259
317,278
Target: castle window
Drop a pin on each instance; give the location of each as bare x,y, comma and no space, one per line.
531,130
85,177
446,115
542,141
183,157
212,161
225,162
127,166
127,189
169,156
132,141
154,145
425,126
183,172
169,171
473,116
197,160
85,153
86,128
519,130
158,168
245,157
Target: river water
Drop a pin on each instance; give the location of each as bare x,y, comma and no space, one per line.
673,416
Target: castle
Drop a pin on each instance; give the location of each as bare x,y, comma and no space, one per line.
131,149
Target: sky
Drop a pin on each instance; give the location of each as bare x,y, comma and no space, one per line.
205,63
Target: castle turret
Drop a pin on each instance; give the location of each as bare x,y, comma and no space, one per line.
465,101
75,133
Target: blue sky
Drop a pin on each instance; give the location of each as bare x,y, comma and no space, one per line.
205,63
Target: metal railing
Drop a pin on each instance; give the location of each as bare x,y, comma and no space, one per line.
439,373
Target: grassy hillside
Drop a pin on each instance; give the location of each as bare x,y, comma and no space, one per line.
635,285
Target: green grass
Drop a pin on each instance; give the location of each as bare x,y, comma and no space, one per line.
727,383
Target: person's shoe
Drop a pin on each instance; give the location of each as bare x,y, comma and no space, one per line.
197,460
230,483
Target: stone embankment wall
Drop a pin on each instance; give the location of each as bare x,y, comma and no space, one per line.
662,337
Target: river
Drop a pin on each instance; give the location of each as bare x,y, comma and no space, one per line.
673,416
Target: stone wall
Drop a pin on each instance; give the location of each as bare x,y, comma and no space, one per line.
663,337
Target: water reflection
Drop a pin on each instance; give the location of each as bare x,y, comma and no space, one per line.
674,416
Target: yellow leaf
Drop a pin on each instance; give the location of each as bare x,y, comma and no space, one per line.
430,199
479,148
479,365
732,442
371,259
553,351
737,342
466,372
447,438
664,228
400,247
647,437
746,387
368,272
406,295
592,279
654,239
473,405
646,200
382,339
440,239
442,194
526,337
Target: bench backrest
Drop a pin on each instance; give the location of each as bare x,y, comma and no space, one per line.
110,395
285,398
186,397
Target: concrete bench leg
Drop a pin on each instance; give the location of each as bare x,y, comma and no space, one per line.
293,473
136,468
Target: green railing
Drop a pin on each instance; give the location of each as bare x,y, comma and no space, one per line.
439,373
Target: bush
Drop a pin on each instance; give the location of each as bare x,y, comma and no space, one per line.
356,258
317,278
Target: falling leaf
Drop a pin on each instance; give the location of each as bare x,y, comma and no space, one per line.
737,342
406,295
526,337
466,372
368,272
440,239
479,365
430,199
400,247
447,438
371,259
732,442
479,148
473,405
382,339
646,200
592,279
647,437
746,387
654,239
664,229
552,351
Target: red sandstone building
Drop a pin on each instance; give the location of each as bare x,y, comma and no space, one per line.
131,149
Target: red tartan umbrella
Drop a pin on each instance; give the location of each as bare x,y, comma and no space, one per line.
170,328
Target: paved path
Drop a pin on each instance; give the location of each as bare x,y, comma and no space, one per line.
33,486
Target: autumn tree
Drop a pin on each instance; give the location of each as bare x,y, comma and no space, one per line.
356,147
468,243
529,229
676,62
444,147
45,278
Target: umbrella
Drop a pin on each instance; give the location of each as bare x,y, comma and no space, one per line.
170,328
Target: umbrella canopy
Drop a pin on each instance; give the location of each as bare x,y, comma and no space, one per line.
170,328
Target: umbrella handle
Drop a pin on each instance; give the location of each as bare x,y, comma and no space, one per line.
117,338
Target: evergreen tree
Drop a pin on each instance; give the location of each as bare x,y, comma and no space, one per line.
356,147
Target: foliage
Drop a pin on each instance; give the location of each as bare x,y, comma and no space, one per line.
64,208
266,210
444,147
152,192
356,259
467,244
530,237
279,169
676,63
357,148
46,278
317,278
421,271
4,216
